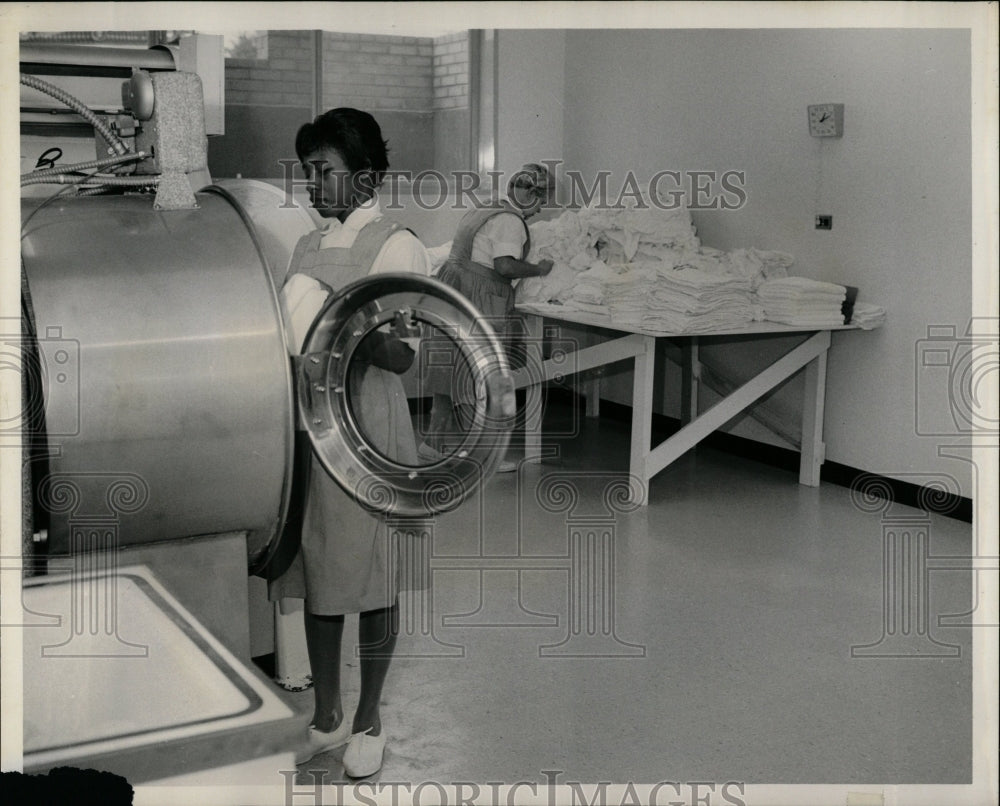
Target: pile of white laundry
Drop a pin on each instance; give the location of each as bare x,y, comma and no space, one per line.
644,266
801,301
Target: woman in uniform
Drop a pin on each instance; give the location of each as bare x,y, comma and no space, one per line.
346,562
489,252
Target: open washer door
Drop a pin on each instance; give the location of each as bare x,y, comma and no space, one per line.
364,424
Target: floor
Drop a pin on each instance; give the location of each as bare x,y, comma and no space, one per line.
705,637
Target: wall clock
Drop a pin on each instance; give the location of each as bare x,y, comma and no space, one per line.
826,120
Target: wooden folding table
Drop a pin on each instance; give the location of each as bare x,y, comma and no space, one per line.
639,344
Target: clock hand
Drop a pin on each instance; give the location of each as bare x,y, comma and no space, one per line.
825,116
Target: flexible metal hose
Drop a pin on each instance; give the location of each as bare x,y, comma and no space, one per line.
79,107
66,179
82,166
123,181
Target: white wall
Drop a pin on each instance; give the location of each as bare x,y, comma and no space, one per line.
897,184
531,97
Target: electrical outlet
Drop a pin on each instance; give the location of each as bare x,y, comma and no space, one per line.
824,222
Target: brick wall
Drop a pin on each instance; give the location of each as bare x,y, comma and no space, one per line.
391,77
451,71
375,72
451,102
266,102
284,78
416,87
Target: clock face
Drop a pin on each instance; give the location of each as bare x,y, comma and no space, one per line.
826,120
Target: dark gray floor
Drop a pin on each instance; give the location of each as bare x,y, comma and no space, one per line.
710,638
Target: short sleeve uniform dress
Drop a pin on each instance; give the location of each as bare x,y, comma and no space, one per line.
484,234
347,559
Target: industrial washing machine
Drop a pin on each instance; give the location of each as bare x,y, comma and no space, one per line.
159,411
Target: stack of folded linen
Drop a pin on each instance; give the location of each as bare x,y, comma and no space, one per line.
802,302
868,316
754,265
684,300
689,300
587,293
758,265
627,289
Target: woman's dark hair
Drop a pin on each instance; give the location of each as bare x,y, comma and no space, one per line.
353,134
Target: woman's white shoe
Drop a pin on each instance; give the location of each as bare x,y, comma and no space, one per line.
363,756
318,741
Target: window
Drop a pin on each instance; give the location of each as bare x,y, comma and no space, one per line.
246,45
421,89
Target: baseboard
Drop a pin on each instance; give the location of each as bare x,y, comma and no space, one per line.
903,492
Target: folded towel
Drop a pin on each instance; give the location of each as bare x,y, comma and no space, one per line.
868,316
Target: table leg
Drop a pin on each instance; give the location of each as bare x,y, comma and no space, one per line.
642,417
592,384
592,391
533,392
813,447
690,378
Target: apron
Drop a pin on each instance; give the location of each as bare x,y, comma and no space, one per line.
348,558
491,294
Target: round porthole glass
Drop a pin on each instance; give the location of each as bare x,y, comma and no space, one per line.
381,350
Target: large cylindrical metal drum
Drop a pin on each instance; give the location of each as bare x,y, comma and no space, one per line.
165,375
